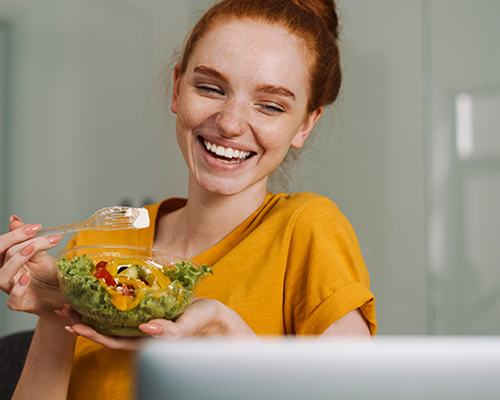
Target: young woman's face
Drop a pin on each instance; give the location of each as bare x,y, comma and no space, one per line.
241,104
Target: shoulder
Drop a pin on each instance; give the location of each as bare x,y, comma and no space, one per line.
307,216
303,200
309,219
306,208
296,202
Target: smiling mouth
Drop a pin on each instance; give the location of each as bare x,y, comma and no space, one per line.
226,154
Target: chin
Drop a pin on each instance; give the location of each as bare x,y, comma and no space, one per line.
229,187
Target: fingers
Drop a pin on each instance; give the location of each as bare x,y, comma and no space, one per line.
113,342
161,327
205,317
17,234
15,222
79,329
201,318
70,314
17,257
17,295
23,239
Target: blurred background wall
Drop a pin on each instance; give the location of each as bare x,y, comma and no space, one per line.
83,126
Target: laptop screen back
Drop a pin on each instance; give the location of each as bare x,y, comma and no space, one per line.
387,368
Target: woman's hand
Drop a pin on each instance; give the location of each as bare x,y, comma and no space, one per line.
26,271
205,317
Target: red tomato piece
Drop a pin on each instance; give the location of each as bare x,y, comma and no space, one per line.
102,273
100,265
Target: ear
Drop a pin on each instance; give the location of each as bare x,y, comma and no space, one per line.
306,129
175,90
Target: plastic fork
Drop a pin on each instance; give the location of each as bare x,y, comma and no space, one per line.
108,218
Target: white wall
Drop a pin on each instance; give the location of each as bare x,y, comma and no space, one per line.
464,193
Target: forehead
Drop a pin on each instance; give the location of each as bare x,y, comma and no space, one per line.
260,50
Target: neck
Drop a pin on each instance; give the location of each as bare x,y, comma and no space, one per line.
206,219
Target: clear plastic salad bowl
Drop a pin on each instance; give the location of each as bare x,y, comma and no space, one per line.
117,288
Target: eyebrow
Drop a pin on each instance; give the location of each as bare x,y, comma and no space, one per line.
271,89
211,72
279,90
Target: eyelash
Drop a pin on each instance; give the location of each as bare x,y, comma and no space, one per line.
268,108
209,89
272,109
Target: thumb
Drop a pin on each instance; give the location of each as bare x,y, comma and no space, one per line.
15,223
199,319
162,328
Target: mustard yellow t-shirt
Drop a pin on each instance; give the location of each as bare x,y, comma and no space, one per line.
293,267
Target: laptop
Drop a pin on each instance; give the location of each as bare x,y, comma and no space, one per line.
426,367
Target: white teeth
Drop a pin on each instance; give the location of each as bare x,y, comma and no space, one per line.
225,151
220,151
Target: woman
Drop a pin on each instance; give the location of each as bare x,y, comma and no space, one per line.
253,80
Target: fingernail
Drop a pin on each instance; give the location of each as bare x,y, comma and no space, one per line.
31,229
14,218
70,330
154,329
28,249
53,239
24,279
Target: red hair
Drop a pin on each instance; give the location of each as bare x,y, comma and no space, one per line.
314,21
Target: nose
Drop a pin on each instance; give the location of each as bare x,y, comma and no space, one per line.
232,120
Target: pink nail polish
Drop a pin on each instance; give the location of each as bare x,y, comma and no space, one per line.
24,279
28,249
53,239
154,329
31,229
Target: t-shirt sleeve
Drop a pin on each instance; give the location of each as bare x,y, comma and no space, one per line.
326,275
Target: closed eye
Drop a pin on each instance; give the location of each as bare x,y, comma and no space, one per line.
272,109
209,89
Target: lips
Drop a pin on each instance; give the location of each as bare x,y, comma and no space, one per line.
226,154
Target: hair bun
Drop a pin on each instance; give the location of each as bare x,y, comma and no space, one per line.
324,9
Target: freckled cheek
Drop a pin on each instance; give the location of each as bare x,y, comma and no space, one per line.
275,140
193,113
185,114
185,124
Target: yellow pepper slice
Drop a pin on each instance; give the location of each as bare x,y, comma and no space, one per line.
179,297
110,289
125,303
122,302
162,280
137,283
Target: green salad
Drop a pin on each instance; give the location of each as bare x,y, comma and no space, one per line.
116,296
